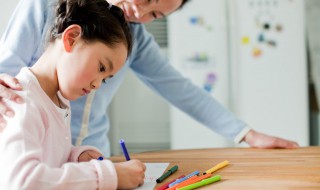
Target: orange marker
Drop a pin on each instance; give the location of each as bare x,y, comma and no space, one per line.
192,181
176,185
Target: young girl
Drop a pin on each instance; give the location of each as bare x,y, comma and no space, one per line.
89,43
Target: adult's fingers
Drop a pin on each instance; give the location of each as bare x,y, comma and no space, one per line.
283,143
7,83
3,123
5,110
7,93
10,82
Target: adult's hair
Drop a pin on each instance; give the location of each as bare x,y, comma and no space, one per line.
183,3
98,20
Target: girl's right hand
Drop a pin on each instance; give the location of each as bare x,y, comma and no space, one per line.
7,85
130,174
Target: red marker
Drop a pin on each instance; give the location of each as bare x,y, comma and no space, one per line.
165,186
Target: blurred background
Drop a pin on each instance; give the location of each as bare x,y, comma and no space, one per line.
259,58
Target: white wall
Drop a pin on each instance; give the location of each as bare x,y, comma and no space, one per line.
6,9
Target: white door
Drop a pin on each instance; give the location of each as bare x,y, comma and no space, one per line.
198,48
269,68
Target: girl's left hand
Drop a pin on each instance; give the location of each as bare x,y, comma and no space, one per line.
89,155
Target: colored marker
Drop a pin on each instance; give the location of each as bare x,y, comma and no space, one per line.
217,167
202,183
184,178
166,186
100,158
178,184
192,181
167,174
124,149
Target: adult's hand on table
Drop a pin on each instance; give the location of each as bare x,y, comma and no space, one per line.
260,140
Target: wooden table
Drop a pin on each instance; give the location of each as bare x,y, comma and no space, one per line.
249,169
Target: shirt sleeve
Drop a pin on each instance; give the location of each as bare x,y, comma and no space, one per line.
21,147
23,40
154,69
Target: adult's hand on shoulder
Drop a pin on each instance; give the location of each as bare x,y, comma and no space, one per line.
260,140
7,85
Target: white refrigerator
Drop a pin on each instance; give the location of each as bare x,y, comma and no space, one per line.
250,55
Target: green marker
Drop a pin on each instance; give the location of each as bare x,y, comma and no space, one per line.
202,183
167,174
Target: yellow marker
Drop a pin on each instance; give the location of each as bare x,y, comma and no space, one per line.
217,167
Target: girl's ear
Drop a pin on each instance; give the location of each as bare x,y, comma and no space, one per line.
70,36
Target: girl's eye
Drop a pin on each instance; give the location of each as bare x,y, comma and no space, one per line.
104,80
102,68
150,1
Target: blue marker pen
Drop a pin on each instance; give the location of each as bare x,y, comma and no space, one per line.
124,149
184,178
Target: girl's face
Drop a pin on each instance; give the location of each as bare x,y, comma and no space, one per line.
87,65
146,10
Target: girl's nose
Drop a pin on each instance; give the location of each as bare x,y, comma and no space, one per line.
95,84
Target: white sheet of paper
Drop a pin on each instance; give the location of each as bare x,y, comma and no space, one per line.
153,172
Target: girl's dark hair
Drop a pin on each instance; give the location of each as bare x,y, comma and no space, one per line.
98,20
